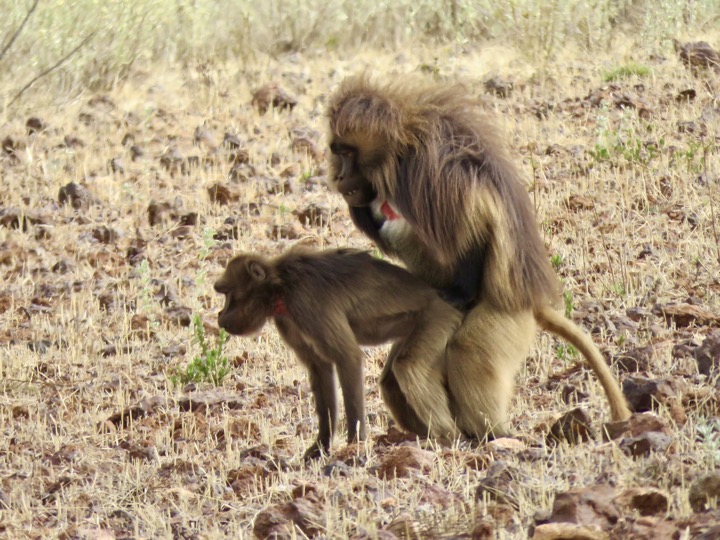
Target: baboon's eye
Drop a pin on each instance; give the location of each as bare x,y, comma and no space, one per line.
342,150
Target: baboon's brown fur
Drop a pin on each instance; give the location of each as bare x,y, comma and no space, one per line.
433,185
327,303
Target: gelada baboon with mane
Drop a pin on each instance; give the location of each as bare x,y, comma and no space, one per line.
426,177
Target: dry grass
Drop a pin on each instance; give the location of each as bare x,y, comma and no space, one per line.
648,235
127,38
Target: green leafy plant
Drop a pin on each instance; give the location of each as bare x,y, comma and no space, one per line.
307,175
556,261
709,435
692,156
210,365
619,289
566,352
625,71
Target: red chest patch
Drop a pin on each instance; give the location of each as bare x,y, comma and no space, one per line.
388,211
279,310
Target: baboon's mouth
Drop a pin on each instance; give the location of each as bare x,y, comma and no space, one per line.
348,193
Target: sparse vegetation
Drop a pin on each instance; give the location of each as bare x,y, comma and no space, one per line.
566,353
210,366
627,70
104,306
557,261
203,34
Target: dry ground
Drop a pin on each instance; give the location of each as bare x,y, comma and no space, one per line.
95,304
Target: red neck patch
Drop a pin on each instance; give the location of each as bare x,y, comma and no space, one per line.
388,211
279,310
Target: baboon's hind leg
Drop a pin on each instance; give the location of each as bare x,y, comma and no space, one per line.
483,359
417,365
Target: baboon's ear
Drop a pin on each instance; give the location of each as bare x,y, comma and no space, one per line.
257,270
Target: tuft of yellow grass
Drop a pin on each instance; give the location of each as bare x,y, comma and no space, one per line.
126,39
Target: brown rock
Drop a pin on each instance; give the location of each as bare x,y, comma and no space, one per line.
708,354
102,102
636,425
646,528
628,101
498,87
394,437
278,521
136,152
232,141
182,231
590,506
203,136
313,215
77,195
697,54
13,217
307,146
640,359
682,315
180,315
500,485
404,461
644,444
271,95
140,410
275,186
703,526
577,203
703,490
286,231
439,497
688,94
35,125
272,523
643,394
104,234
647,501
403,526
638,314
221,194
160,212
642,423
71,141
505,447
173,161
573,427
10,146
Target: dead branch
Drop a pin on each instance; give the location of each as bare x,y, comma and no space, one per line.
19,29
52,68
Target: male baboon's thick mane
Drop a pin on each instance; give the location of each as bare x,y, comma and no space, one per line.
430,149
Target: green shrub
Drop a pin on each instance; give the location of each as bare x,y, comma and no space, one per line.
210,365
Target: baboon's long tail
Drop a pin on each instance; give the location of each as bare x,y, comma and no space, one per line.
553,321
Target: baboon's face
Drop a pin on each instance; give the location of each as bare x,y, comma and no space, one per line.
347,175
248,302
